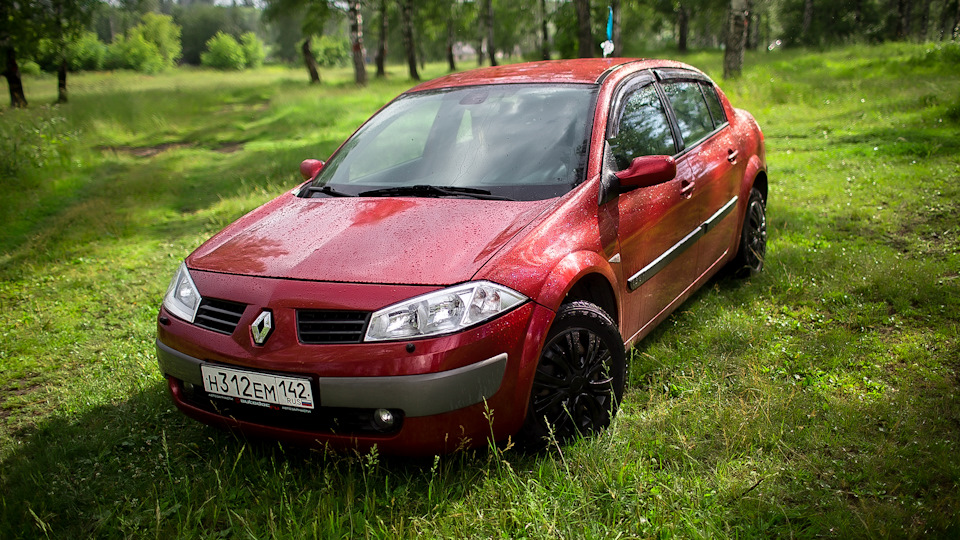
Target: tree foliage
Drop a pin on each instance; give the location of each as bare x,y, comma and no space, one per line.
162,32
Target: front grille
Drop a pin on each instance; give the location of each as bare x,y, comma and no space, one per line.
219,315
323,326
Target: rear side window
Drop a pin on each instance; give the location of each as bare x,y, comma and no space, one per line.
713,103
693,116
643,130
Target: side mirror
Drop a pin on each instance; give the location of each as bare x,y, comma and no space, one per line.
310,167
647,171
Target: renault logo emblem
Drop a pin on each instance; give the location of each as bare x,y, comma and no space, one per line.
262,327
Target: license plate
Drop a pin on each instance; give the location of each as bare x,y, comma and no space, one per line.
258,388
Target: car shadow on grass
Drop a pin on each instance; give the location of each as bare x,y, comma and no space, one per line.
141,467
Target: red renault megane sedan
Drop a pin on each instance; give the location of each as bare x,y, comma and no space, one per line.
473,262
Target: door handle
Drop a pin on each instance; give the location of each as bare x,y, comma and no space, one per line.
686,188
732,155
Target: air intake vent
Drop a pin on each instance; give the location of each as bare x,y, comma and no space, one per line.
316,327
219,315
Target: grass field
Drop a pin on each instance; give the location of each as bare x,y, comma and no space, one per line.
820,399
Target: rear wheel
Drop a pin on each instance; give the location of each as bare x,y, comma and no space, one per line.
580,376
753,238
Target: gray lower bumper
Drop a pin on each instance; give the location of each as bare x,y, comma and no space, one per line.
416,395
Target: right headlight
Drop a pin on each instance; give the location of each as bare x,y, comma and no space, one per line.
442,312
182,298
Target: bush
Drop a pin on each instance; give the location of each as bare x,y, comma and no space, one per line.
134,53
86,53
29,67
223,52
253,53
150,47
200,21
332,52
34,141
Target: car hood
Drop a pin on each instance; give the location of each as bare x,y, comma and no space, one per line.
393,240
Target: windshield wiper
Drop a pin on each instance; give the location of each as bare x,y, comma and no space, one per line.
326,190
434,191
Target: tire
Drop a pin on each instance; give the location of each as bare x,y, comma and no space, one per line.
579,379
753,239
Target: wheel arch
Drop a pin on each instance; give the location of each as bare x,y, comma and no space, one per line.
595,288
760,183
755,176
583,275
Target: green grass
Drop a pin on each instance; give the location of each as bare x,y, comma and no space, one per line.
818,399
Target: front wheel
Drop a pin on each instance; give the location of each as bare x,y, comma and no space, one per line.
753,238
580,376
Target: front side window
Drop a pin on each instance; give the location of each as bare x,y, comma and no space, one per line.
693,116
643,130
519,141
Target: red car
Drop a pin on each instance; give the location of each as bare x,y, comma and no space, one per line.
473,262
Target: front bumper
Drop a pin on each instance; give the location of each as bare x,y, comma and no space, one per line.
416,395
446,392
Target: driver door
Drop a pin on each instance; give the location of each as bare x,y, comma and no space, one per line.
654,222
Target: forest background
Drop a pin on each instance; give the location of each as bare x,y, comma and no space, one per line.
62,36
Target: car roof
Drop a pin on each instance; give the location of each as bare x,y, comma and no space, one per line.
577,71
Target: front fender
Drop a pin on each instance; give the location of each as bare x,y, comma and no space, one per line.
567,272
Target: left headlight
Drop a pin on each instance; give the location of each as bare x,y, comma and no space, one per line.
442,312
182,298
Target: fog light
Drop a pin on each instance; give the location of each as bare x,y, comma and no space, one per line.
383,418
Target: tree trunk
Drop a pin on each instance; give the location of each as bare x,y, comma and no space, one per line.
356,41
406,23
921,31
905,11
617,32
12,72
381,57
683,27
544,35
451,37
584,30
310,61
753,31
947,22
491,49
736,39
62,82
807,22
955,29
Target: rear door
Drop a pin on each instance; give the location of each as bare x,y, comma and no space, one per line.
709,159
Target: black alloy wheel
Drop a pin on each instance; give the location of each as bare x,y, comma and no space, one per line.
753,238
580,376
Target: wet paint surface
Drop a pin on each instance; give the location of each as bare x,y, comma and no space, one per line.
422,241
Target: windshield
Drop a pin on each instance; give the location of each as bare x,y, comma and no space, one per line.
523,142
